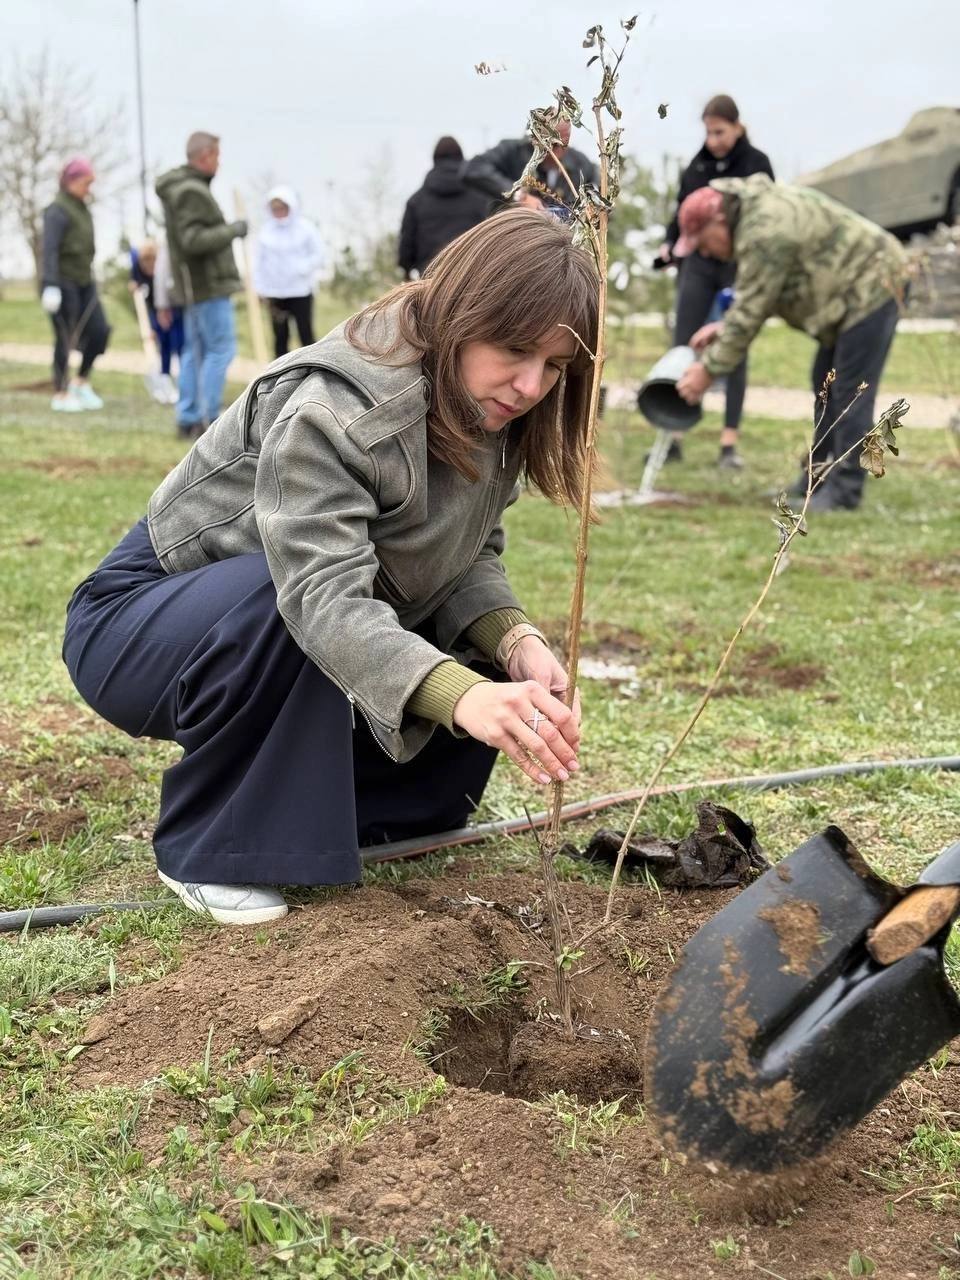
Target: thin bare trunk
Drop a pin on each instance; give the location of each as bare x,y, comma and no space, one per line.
551,841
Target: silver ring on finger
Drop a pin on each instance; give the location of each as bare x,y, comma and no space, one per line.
535,720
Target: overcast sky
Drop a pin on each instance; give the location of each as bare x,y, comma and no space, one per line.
317,94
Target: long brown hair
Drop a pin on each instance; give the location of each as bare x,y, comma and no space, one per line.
509,281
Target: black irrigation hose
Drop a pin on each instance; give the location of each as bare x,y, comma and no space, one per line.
44,917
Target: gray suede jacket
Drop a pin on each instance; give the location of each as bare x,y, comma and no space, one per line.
322,464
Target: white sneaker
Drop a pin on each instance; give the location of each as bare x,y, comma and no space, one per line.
229,903
86,395
66,403
169,389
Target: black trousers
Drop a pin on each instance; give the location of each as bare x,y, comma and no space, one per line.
701,279
80,325
858,355
282,310
276,784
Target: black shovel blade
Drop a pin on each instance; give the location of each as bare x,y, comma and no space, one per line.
777,1031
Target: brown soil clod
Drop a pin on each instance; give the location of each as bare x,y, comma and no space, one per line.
797,926
275,1027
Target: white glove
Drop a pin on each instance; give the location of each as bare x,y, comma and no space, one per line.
51,298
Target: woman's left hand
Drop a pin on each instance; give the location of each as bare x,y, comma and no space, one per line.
532,660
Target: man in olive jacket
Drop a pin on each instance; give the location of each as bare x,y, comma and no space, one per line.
824,270
205,276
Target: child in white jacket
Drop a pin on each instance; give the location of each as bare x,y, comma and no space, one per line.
288,258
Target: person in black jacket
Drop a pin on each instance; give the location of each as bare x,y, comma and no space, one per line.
441,210
726,153
495,171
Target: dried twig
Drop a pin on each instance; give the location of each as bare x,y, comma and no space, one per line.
590,212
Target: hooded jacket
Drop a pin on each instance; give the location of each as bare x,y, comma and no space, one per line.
801,256
323,465
741,161
441,210
288,255
200,239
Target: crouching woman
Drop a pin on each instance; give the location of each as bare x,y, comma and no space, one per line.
300,604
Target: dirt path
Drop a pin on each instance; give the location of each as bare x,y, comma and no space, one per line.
791,403
242,369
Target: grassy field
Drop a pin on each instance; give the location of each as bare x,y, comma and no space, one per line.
854,658
23,320
781,357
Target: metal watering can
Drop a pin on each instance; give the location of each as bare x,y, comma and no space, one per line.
657,399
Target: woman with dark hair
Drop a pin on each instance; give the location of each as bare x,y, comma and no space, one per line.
318,585
727,152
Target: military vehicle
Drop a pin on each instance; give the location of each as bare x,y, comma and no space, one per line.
908,183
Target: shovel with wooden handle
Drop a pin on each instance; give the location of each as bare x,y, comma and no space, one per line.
800,1005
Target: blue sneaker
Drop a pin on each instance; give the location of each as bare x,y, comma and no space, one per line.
66,402
86,395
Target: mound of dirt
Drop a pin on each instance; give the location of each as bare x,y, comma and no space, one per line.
382,970
365,968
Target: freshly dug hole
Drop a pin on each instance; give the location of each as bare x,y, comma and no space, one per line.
506,1054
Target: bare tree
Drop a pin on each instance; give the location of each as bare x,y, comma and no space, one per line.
48,112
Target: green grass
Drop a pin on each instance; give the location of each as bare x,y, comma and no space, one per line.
23,320
864,620
780,357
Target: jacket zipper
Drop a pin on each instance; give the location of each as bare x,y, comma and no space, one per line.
353,722
494,490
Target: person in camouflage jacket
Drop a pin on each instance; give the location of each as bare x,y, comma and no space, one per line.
824,270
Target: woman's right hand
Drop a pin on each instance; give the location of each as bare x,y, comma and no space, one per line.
506,715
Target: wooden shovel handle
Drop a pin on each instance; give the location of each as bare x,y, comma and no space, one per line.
915,919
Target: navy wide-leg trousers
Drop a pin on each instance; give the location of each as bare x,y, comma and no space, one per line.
276,784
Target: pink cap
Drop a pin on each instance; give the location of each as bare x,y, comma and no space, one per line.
699,208
77,167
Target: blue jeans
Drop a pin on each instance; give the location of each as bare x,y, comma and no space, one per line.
209,344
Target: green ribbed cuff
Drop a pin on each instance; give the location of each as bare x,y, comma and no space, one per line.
438,693
489,629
